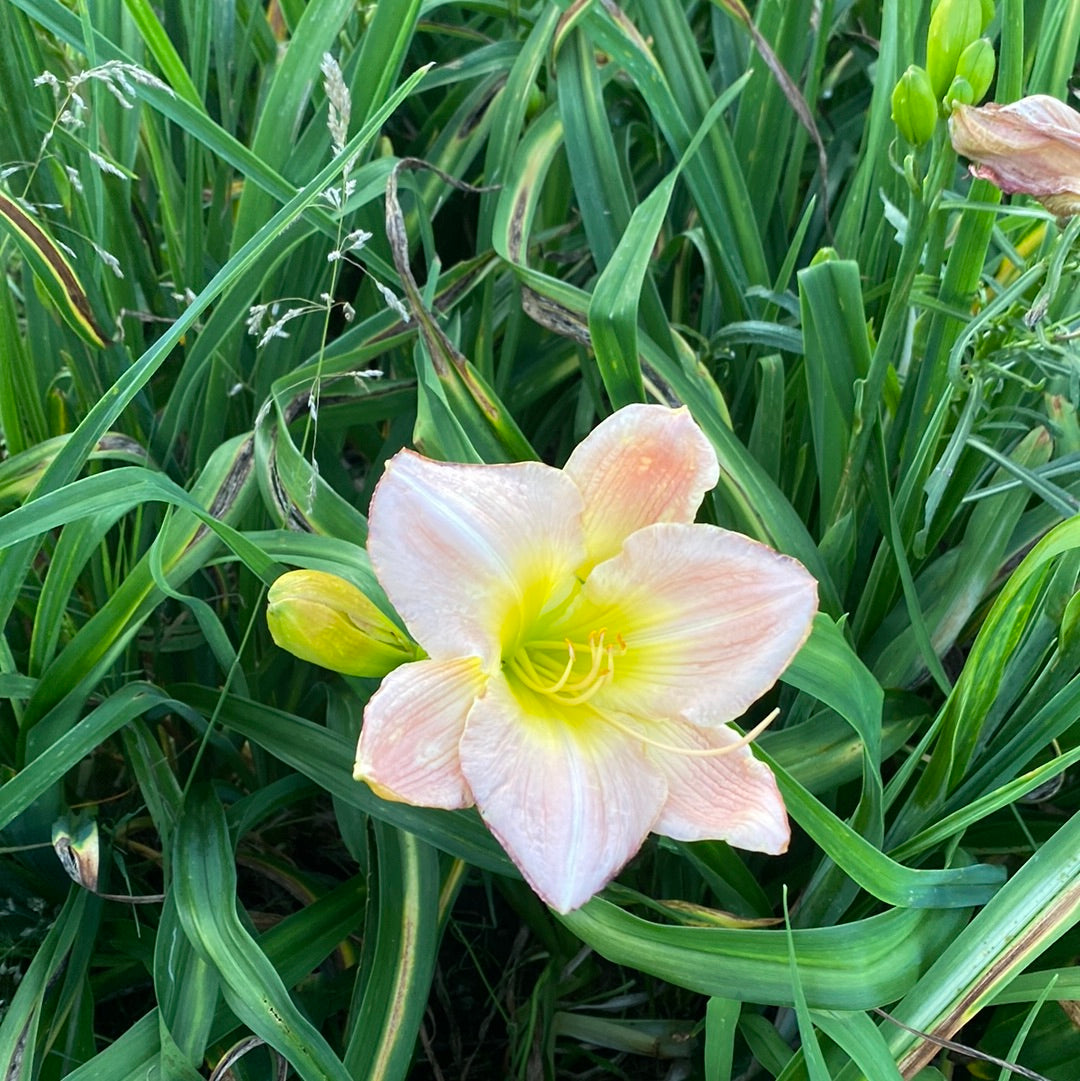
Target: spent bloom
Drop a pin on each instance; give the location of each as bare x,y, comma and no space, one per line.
586,645
1031,146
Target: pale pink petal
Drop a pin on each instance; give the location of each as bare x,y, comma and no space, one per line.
570,798
731,797
709,619
470,554
408,749
1043,110
644,464
1030,146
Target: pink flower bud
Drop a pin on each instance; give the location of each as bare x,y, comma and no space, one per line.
1031,146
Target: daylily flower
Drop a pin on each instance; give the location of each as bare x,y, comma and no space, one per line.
1031,146
586,646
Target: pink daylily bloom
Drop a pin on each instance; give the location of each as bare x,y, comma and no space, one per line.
587,645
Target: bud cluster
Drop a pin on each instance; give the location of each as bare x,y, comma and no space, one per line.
959,69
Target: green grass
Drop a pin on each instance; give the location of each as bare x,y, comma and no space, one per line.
589,205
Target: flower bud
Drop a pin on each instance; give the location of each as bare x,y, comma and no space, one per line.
954,25
824,255
1031,146
914,107
321,618
959,93
976,66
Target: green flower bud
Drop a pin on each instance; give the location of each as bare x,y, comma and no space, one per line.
824,255
959,93
914,106
976,64
954,25
321,618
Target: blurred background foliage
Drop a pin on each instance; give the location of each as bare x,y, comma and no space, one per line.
205,361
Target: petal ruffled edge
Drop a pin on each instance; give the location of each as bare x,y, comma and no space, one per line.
731,797
643,464
469,554
408,748
571,802
709,618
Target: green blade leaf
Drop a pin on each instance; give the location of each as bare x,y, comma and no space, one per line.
52,270
204,881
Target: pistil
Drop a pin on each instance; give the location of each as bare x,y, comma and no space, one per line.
693,752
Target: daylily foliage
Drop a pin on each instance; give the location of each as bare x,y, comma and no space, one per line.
586,646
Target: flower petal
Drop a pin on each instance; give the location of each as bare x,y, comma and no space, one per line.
408,749
644,464
469,554
570,799
731,797
709,618
1030,146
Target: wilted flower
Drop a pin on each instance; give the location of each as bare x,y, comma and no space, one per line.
587,645
1031,146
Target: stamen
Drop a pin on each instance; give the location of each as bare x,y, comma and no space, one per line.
696,752
576,700
561,681
597,651
522,667
535,667
534,673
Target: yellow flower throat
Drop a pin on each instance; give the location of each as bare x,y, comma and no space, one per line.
568,672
